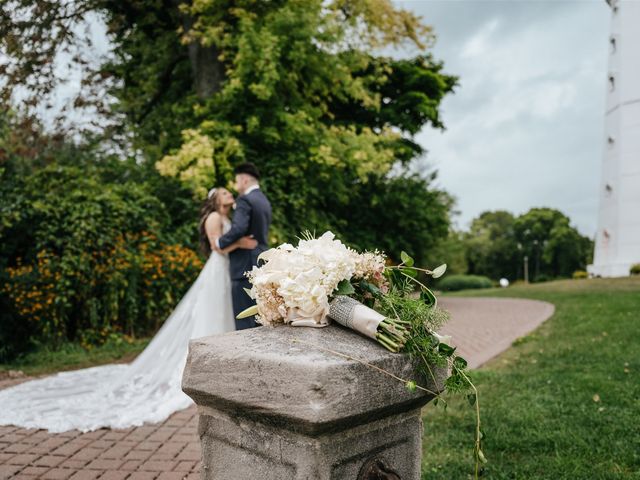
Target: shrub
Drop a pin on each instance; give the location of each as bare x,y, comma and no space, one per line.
580,274
454,283
83,260
635,269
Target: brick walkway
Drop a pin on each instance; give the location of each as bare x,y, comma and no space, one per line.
168,451
482,328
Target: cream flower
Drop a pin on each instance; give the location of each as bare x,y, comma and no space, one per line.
295,283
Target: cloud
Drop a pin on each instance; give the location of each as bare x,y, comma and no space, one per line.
525,127
479,44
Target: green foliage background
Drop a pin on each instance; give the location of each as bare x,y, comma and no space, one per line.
87,254
453,283
497,243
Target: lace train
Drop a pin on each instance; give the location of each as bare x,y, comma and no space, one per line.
121,396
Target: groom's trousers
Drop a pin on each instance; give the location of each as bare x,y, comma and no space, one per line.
242,301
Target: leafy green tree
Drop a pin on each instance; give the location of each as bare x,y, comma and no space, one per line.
451,250
395,215
82,236
555,247
25,147
188,90
492,245
292,85
498,242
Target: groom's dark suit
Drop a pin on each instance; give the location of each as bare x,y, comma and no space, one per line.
252,217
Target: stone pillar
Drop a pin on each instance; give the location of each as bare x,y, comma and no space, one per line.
275,408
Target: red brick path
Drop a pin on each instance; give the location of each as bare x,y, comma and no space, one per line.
482,328
168,451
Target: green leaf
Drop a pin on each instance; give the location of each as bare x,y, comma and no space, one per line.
411,386
406,259
439,271
249,312
460,363
369,287
344,288
428,297
471,398
446,349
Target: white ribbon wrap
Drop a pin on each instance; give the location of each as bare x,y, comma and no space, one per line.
356,316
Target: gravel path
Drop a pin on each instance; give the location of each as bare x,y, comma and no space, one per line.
481,328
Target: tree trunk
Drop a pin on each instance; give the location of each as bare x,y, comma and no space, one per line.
208,70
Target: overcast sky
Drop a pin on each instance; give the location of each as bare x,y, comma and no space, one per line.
525,126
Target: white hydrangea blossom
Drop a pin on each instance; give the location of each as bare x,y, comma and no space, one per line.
295,283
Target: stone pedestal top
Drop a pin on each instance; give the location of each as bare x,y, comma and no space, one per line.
286,377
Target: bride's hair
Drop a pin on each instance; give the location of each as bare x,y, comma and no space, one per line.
211,204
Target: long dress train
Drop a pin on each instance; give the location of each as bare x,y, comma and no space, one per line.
121,396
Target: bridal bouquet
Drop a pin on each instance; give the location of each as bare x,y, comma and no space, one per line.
321,280
296,285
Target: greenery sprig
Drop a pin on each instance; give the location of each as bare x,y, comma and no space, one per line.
411,324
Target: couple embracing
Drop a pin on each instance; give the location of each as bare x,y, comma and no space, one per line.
244,238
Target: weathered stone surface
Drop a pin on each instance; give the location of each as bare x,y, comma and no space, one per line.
285,403
237,448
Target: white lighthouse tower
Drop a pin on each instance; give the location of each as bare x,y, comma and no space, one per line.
618,236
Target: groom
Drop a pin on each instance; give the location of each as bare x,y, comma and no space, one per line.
251,217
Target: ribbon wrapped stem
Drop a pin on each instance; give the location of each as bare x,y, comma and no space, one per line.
390,333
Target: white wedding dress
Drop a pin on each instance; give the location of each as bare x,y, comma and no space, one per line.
147,390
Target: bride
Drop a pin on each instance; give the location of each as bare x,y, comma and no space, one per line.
147,390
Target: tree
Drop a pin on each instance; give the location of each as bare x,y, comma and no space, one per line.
492,246
87,248
395,214
567,250
292,85
451,250
24,146
556,248
497,243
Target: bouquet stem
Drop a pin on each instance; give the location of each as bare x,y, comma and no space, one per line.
393,334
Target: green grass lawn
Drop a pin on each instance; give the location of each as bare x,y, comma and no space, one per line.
563,402
73,356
